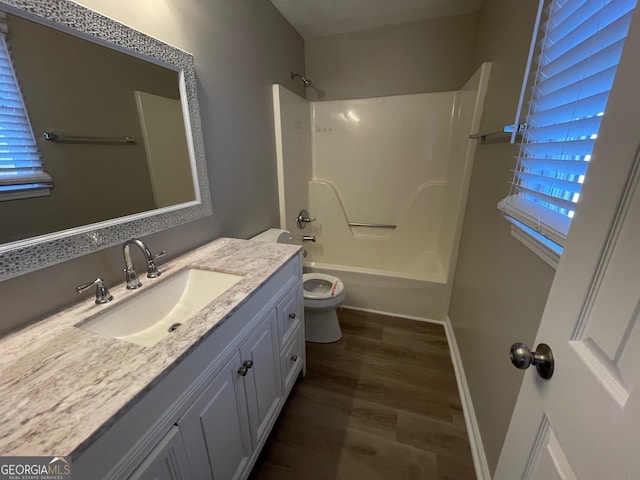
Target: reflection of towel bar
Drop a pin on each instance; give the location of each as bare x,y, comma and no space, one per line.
373,225
54,137
499,137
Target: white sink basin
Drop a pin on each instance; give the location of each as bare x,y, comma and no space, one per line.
154,313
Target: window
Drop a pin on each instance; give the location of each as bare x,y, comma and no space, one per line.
577,49
21,170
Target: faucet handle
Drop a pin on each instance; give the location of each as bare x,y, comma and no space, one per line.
102,292
303,219
152,269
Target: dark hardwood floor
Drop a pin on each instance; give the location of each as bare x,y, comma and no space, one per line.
382,403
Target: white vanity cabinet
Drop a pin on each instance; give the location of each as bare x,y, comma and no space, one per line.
211,415
225,425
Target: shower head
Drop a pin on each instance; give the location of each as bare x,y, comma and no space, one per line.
305,80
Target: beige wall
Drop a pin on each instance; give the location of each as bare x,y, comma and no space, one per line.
500,287
429,56
240,49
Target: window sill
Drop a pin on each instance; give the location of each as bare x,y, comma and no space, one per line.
544,248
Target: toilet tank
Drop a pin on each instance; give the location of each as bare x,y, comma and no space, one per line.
274,235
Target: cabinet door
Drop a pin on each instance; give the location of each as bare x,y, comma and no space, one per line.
262,382
167,461
216,428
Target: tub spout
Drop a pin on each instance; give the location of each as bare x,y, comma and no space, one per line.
309,238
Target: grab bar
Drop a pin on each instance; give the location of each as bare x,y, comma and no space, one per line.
372,225
54,137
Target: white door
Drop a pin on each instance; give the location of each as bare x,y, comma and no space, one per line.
584,423
167,148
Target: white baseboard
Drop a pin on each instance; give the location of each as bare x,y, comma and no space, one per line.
391,314
475,441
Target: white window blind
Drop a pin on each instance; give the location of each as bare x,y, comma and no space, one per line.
21,169
579,46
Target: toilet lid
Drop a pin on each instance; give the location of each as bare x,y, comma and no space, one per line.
319,285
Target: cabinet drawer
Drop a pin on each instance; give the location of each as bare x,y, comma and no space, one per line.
292,358
290,312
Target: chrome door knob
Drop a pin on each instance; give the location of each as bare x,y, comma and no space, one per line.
542,358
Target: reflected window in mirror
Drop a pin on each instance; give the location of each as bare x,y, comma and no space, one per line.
21,170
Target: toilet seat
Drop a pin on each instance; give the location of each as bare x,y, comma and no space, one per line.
326,286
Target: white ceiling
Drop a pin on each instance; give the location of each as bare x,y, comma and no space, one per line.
317,18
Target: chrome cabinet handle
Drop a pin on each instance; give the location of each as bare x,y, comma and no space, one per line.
244,368
292,316
294,358
522,357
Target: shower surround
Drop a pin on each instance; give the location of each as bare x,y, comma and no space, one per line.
386,179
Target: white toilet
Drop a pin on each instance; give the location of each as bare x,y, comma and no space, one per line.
322,295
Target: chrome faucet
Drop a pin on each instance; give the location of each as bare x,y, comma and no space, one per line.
130,274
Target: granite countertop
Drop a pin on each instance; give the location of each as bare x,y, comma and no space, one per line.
60,386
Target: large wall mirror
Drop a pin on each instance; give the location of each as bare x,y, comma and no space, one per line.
116,121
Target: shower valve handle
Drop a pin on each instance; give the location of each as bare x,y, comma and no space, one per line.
303,219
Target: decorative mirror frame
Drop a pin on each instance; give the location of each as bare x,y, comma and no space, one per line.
17,258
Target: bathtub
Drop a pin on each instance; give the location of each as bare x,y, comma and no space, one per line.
385,291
